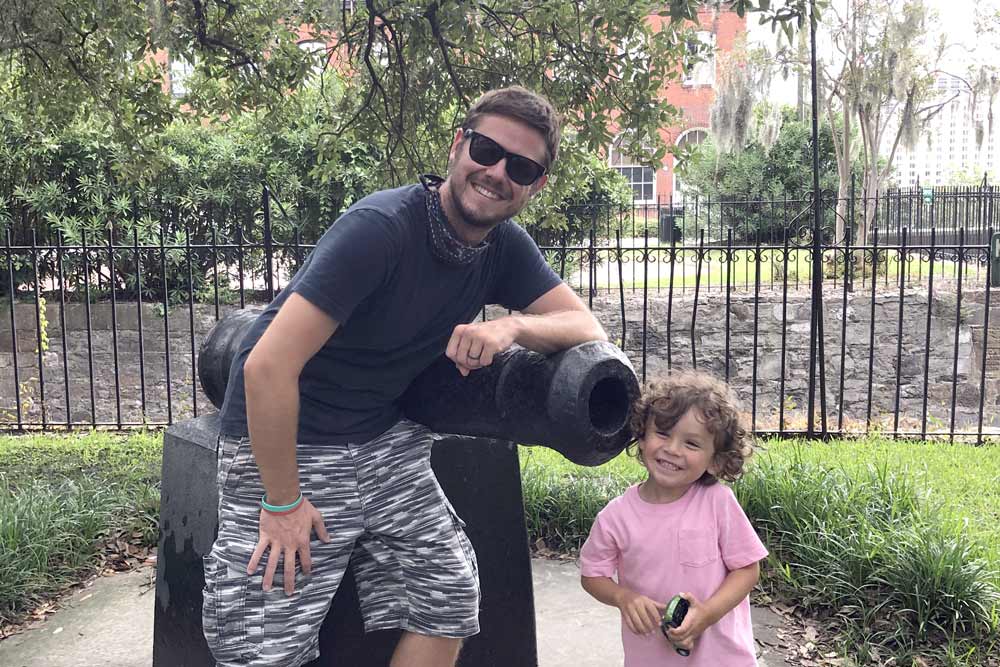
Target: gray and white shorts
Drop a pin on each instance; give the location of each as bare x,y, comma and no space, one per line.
414,566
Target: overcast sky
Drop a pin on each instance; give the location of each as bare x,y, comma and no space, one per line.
955,19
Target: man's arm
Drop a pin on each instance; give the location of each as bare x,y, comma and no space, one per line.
271,378
555,321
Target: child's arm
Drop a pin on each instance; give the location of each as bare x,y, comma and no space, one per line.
642,615
736,586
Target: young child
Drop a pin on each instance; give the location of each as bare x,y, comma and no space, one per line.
679,532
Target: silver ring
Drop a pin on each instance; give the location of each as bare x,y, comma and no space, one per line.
476,357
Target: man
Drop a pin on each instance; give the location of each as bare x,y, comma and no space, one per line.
312,438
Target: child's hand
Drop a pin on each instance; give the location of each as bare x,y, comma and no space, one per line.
642,615
695,622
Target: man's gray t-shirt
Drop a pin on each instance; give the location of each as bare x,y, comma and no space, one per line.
396,305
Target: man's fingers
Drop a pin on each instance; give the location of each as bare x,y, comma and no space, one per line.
289,574
456,336
475,352
305,559
269,569
320,527
255,558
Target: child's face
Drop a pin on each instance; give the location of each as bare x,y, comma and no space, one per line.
677,458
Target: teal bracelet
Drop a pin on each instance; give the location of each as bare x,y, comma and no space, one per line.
280,509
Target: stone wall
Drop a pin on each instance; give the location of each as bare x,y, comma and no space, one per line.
778,381
111,356
774,387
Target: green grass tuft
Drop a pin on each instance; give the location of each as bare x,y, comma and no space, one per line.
59,496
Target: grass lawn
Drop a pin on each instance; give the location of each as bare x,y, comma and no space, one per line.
895,544
773,266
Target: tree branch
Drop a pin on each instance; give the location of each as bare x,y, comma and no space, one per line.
431,15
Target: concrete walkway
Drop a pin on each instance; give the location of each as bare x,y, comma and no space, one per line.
110,624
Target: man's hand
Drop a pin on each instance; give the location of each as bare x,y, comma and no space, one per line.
474,345
642,615
284,536
696,621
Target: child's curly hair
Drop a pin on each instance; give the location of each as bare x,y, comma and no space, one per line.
669,398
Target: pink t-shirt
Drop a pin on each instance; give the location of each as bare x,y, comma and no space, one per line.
660,550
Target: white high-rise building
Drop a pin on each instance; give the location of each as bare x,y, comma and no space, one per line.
948,151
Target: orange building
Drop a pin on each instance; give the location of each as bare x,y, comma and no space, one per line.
693,96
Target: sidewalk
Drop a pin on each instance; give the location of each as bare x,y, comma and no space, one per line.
110,624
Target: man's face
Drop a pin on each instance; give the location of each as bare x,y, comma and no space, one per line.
483,196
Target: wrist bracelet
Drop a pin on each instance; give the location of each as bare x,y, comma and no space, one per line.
280,509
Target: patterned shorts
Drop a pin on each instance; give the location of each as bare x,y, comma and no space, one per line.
414,567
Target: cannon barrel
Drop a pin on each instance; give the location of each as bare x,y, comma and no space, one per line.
576,401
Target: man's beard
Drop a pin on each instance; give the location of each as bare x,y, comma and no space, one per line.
473,220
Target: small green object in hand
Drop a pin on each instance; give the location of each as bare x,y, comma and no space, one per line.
677,609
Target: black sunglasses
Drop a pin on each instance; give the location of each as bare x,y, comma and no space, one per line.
485,151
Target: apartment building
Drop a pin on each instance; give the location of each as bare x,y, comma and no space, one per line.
957,145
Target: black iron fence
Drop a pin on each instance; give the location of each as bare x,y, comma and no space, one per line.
102,328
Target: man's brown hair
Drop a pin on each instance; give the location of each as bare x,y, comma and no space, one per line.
667,400
524,105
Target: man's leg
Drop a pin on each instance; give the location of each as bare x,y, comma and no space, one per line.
414,567
416,650
243,625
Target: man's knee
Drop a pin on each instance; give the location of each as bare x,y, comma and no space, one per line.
415,650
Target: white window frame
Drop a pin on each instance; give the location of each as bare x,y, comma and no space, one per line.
629,167
700,70
180,71
317,51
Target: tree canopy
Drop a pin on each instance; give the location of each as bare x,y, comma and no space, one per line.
404,70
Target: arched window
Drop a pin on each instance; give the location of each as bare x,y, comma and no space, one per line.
641,178
688,140
316,51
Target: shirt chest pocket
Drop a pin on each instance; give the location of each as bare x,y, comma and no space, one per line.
697,548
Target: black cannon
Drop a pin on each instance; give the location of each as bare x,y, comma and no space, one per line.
575,402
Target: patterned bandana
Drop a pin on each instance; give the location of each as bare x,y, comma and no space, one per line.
444,245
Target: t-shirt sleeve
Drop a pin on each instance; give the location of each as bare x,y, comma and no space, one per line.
600,554
525,275
353,258
738,541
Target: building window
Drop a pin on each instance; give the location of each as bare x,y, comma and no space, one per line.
180,71
686,142
641,178
699,60
316,53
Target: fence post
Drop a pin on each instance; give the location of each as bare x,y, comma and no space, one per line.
268,244
816,323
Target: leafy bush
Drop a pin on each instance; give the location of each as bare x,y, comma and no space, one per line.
201,185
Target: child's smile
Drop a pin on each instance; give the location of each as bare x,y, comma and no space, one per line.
675,458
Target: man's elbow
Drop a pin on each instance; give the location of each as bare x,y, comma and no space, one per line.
262,370
597,332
